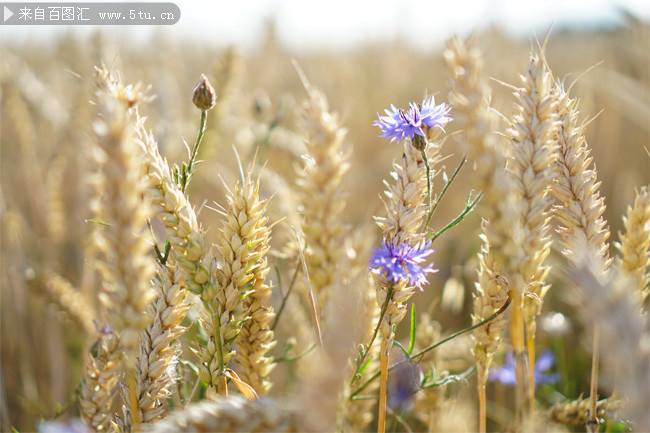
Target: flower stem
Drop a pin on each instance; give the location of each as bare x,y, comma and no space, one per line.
389,295
425,158
501,310
444,190
187,175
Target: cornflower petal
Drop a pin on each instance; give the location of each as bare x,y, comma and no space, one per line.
402,262
398,124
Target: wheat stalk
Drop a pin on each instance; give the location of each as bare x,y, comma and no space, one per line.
634,244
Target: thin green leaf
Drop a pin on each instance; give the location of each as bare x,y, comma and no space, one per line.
412,333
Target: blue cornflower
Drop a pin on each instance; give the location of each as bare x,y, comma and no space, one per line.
399,124
506,374
402,262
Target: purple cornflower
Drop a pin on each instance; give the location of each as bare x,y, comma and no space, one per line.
403,262
506,374
399,124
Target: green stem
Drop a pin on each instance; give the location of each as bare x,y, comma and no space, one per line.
444,189
444,340
190,165
425,158
284,299
468,208
360,363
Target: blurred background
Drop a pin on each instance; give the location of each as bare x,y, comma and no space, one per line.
364,56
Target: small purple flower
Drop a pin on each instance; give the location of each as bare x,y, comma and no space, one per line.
399,124
403,262
506,374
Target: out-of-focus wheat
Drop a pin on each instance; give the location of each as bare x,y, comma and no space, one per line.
71,301
469,99
123,250
634,244
576,412
228,415
606,299
322,197
359,411
100,380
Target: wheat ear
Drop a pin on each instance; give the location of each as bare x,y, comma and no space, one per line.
576,412
158,357
99,382
228,415
120,239
469,99
634,244
580,214
72,301
322,198
175,212
256,337
242,246
123,247
532,132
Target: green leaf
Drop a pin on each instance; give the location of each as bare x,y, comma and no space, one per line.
412,333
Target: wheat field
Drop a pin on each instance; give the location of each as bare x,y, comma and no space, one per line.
204,239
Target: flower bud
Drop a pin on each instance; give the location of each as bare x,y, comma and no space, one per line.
204,97
419,142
